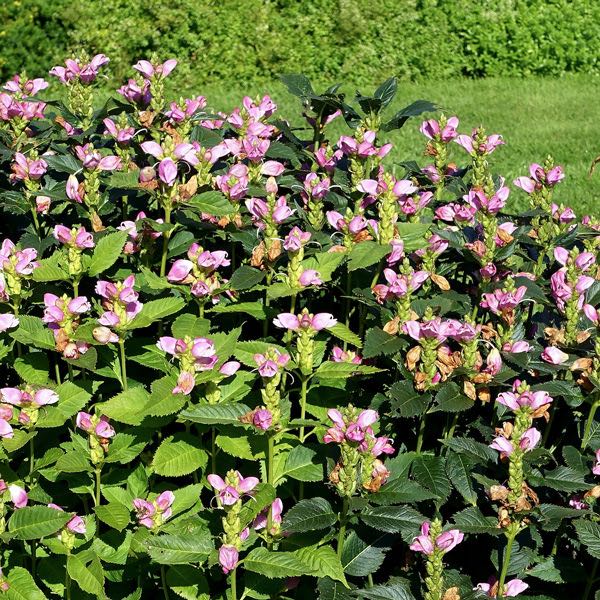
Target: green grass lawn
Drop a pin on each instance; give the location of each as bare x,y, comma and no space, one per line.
537,117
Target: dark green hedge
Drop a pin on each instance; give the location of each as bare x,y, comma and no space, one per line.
250,41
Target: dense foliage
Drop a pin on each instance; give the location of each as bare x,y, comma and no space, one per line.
252,41
241,360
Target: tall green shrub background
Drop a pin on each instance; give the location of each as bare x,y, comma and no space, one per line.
252,41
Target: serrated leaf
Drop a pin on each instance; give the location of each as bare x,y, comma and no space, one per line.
323,562
378,341
180,549
71,399
302,463
22,586
458,468
335,370
212,203
366,254
275,564
450,398
361,558
115,515
308,515
35,522
393,519
107,251
155,310
215,414
480,452
90,578
179,455
245,277
32,332
472,520
263,496
588,533
340,331
127,406
406,400
430,472
390,591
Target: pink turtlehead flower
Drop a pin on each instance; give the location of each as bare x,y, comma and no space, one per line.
432,130
86,73
122,135
562,214
358,431
310,277
484,148
596,467
158,70
179,113
153,514
578,503
527,399
339,355
99,427
539,178
60,311
135,93
296,239
42,204
478,200
554,355
511,589
93,161
528,441
201,350
365,148
75,191
18,496
76,238
268,367
25,88
327,159
120,302
516,347
433,329
502,445
8,321
399,285
6,430
228,557
305,321
262,419
446,541
260,522
19,262
234,184
454,212
500,301
75,525
26,398
25,168
228,494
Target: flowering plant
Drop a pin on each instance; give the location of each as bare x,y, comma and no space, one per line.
243,359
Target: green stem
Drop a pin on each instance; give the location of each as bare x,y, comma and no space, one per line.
163,579
213,450
75,288
33,546
343,520
67,578
505,563
370,580
303,393
31,458
70,370
123,364
97,496
588,423
590,581
234,584
348,302
270,459
421,434
165,248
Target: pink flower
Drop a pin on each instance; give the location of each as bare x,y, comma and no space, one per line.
339,355
502,445
260,522
262,419
149,70
530,439
25,398
7,321
153,514
305,321
487,146
511,588
74,69
76,524
269,366
18,496
229,494
432,130
228,557
6,430
448,540
527,399
122,135
554,355
310,277
500,301
296,239
423,543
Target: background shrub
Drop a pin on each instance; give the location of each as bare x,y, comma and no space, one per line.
253,41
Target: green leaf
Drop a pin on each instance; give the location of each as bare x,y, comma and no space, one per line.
215,414
323,562
563,479
413,235
33,368
163,401
127,406
458,469
480,452
49,269
32,332
275,564
302,464
188,582
472,520
340,331
106,252
361,558
367,253
73,461
308,515
35,522
245,277
393,591
588,533
115,515
429,471
262,496
212,203
71,399
253,309
179,455
180,549
450,398
188,324
155,310
406,400
90,578
297,84
325,263
248,447
412,110
378,341
22,586
334,370
393,519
